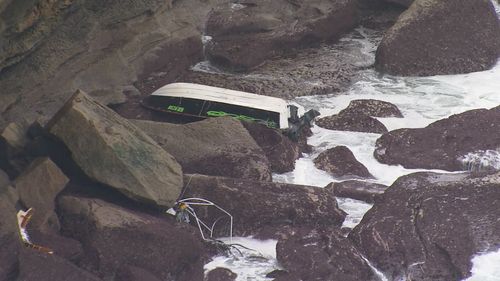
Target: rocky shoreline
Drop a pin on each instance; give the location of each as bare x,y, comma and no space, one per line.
100,171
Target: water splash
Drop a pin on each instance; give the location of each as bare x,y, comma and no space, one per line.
482,160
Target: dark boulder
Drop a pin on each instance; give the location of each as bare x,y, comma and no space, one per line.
451,144
215,146
111,150
280,150
10,240
38,187
50,48
373,108
114,237
132,273
257,204
421,43
246,34
220,274
428,226
340,162
404,3
359,190
322,254
348,121
13,158
36,266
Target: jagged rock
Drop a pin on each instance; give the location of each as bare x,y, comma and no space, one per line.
111,150
348,121
359,190
255,204
10,241
450,144
428,226
216,146
321,254
220,274
13,158
404,3
246,34
373,108
422,44
114,237
50,48
132,273
36,266
38,187
340,162
280,150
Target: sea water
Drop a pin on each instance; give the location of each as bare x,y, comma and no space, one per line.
422,100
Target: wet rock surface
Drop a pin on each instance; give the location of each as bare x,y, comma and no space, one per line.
359,190
220,274
373,108
215,146
244,35
428,226
321,254
279,149
421,44
113,237
444,143
352,121
111,150
340,162
256,204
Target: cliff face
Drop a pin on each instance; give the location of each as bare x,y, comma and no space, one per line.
48,48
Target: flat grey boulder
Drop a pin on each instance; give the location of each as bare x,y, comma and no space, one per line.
441,37
38,187
356,189
216,146
111,150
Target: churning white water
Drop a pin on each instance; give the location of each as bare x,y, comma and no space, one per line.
422,100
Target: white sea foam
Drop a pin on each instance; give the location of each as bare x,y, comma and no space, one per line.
252,264
422,100
486,267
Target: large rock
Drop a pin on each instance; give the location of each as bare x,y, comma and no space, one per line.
421,43
322,254
374,108
111,150
38,187
280,150
13,158
352,121
216,146
404,3
10,241
115,238
50,48
359,190
340,162
254,204
429,226
36,266
246,34
220,274
450,144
